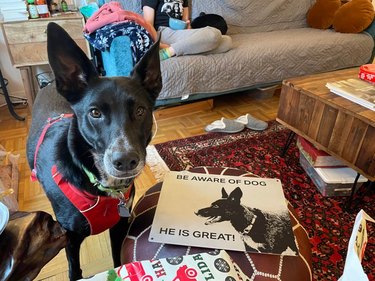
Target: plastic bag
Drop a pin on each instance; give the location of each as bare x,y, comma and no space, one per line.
9,179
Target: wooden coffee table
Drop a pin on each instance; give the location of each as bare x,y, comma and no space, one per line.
334,124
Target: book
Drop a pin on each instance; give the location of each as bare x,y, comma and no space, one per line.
13,11
355,90
316,157
223,212
14,16
11,5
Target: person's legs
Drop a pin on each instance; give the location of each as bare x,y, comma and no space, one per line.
191,41
224,46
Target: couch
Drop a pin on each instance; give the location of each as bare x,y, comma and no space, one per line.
272,42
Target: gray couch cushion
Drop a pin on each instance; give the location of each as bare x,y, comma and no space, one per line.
266,57
246,16
256,15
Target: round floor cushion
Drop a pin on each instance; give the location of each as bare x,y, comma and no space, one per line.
136,246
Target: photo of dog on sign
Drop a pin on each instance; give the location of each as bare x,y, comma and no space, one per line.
232,213
260,231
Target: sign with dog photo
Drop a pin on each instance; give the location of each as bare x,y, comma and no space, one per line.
223,212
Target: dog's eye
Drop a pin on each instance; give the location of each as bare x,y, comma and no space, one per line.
95,113
140,111
215,206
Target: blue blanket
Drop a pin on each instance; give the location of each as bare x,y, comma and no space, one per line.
140,39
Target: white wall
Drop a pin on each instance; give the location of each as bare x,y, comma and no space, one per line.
15,86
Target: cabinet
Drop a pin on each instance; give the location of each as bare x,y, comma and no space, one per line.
26,42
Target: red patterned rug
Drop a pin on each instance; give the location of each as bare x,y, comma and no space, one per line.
327,220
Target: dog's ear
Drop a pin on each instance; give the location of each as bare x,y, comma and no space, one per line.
71,67
235,195
147,70
224,194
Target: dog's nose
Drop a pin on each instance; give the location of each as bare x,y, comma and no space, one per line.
125,161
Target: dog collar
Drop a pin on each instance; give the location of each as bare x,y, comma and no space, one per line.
112,190
247,230
125,200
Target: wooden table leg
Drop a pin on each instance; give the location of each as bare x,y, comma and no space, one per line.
288,143
26,74
350,199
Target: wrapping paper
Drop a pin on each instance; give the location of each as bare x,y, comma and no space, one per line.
215,265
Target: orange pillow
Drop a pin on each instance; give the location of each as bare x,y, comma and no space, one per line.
321,14
354,16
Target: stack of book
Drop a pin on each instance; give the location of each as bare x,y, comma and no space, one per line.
356,90
316,157
330,175
13,10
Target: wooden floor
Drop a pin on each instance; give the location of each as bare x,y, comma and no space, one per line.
173,123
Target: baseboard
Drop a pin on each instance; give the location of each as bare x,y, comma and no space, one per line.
15,95
182,109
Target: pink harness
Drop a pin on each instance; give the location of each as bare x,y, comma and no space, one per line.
50,122
101,212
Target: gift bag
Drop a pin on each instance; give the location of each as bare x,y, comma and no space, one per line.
356,249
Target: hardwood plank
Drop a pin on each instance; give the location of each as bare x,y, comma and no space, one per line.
306,109
354,140
316,118
289,100
366,157
341,131
184,109
326,125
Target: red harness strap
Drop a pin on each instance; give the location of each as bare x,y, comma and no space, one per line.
100,211
50,122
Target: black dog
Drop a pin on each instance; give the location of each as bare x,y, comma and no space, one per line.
260,231
94,142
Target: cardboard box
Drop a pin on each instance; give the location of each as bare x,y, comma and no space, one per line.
331,181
